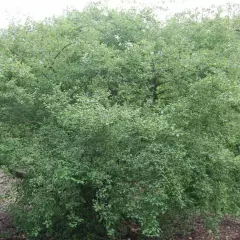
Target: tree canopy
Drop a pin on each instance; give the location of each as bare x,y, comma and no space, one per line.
116,116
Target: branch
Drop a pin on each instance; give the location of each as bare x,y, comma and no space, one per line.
69,44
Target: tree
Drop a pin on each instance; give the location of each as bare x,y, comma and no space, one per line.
117,117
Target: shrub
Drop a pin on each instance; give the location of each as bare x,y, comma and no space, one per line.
118,119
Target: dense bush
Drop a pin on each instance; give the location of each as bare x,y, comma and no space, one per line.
116,117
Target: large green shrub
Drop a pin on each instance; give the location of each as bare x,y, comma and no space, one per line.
116,117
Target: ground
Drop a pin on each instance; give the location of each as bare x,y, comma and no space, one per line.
229,229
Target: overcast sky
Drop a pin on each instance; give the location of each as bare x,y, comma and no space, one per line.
39,9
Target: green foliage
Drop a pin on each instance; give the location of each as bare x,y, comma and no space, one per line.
115,116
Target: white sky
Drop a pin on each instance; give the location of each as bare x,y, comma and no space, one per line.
39,9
